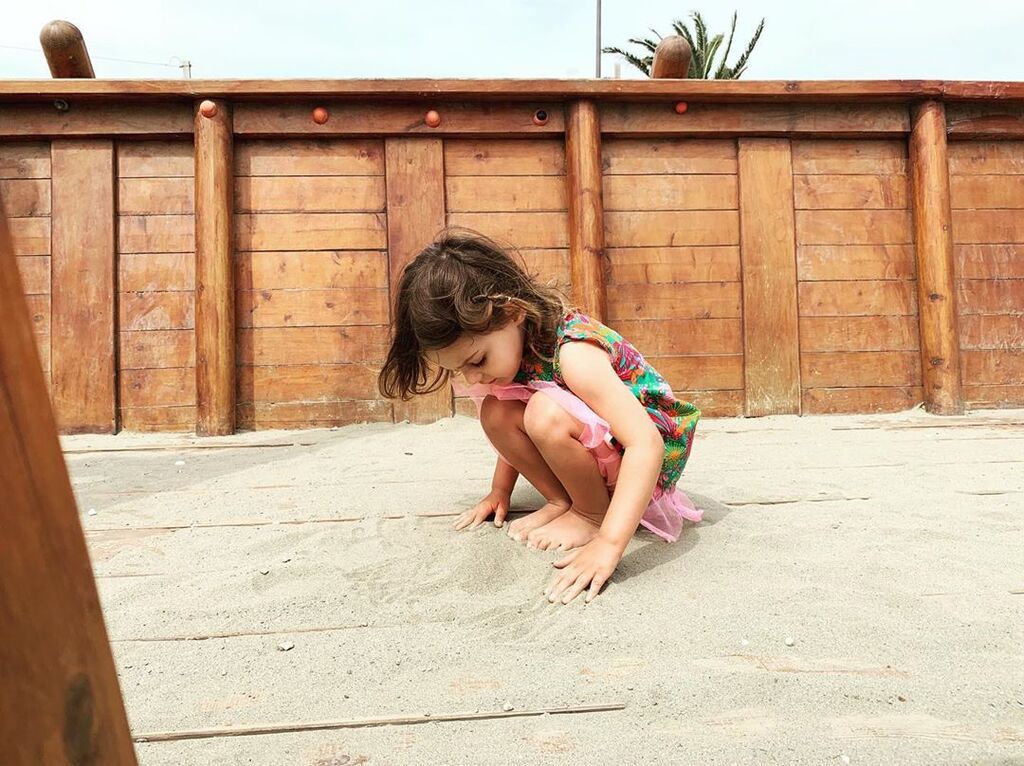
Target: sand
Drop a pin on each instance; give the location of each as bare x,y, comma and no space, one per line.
888,549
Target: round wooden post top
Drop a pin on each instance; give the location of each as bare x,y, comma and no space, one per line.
65,51
321,115
432,118
671,59
208,108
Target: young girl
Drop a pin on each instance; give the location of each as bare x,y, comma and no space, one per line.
566,402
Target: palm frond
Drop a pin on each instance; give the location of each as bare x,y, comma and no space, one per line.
645,42
709,55
728,48
741,62
701,30
643,64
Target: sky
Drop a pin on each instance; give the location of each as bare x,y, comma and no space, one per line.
803,39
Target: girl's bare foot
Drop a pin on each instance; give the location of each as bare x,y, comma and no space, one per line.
567,531
520,529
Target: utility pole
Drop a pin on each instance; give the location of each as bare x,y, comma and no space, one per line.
597,56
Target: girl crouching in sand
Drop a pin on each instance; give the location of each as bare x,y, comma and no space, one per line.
566,402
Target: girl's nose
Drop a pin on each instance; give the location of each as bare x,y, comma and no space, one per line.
473,377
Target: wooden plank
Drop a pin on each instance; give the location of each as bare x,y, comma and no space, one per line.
671,228
309,194
997,331
158,419
986,157
987,191
349,118
989,227
671,192
35,274
831,157
39,313
989,261
156,234
498,157
306,383
95,119
315,269
837,262
58,669
30,236
988,296
707,300
25,160
156,311
215,271
154,349
548,265
156,196
991,367
82,343
991,126
978,397
43,346
311,231
156,272
264,415
586,213
649,265
297,308
861,369
672,337
850,192
771,342
854,227
155,159
416,213
645,156
756,119
318,157
940,352
833,401
705,372
312,345
168,387
862,333
531,230
715,404
860,298
505,194
25,197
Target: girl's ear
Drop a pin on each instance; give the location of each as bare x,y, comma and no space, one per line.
519,316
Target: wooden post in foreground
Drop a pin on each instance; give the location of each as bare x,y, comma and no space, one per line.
671,58
215,281
940,347
61,702
65,51
586,207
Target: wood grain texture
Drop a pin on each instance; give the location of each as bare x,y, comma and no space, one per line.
83,294
663,156
940,353
586,211
95,119
61,699
502,157
416,214
768,252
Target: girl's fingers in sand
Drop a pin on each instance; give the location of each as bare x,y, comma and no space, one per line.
566,560
499,515
595,587
560,583
576,588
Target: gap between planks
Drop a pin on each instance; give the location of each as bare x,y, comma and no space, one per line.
357,723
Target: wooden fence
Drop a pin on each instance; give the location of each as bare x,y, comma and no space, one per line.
215,255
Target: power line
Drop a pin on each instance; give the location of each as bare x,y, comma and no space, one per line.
101,58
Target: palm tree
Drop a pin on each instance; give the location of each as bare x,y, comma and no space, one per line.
704,50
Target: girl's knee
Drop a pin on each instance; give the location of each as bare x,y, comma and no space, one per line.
545,419
500,414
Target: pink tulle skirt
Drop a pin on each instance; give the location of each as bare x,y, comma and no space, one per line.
666,511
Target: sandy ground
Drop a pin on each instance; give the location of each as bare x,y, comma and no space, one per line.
890,549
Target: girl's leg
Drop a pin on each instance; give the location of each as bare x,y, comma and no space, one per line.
502,421
556,435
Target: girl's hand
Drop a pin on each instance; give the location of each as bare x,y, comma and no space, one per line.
590,565
497,503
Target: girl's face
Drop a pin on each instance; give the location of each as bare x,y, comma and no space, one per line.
491,357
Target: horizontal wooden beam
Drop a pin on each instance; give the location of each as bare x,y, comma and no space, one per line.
346,118
83,118
845,121
985,121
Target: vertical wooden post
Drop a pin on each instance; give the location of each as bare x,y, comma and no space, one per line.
65,51
933,237
586,207
414,169
215,283
671,59
83,292
61,702
771,341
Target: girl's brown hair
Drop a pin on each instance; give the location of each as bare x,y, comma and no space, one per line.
463,282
